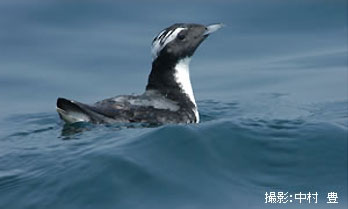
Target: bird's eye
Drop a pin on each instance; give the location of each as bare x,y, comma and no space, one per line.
181,37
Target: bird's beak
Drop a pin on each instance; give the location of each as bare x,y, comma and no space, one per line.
212,28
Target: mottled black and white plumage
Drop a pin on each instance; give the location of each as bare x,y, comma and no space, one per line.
168,97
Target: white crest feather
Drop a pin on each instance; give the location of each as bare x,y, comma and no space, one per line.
161,41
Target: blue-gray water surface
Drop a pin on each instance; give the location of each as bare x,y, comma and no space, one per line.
271,87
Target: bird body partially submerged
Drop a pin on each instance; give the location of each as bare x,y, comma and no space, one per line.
169,95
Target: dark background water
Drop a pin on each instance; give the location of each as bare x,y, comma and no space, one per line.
271,88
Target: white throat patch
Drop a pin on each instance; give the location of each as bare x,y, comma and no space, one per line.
162,40
182,77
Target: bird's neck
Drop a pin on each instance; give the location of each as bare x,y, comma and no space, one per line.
172,79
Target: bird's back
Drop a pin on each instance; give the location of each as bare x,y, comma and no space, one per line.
150,107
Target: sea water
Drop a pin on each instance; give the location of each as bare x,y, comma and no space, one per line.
271,89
